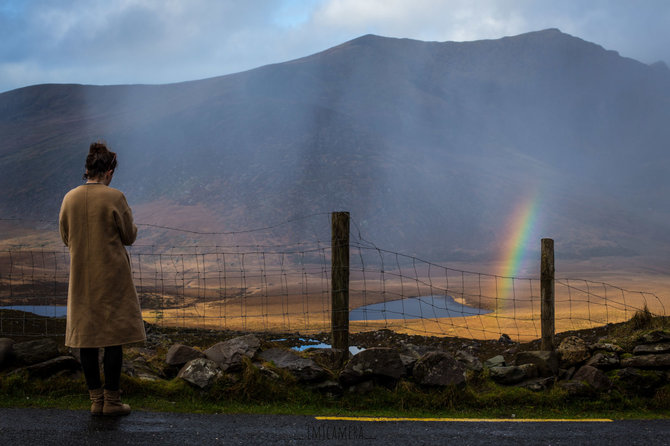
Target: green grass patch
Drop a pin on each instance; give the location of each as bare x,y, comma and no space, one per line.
270,390
255,393
628,334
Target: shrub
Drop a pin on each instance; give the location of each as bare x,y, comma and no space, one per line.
641,319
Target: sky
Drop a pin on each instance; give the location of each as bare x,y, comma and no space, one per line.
162,41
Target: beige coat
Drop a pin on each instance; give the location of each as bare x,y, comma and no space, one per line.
102,305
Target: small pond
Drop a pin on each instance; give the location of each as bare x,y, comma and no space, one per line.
352,349
315,343
422,307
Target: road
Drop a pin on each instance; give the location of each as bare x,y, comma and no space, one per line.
62,427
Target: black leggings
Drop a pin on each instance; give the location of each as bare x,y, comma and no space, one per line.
112,362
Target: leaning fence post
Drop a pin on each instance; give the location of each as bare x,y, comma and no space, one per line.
340,282
547,271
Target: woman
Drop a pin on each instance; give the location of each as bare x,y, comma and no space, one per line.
102,308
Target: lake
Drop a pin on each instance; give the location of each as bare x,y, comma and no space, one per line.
40,310
422,307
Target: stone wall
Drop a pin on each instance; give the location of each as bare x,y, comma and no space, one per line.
577,366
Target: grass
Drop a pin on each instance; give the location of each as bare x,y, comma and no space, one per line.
254,392
627,334
641,319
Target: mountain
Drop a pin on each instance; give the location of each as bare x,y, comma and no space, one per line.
432,146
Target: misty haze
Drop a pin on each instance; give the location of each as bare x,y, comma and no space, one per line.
432,147
343,207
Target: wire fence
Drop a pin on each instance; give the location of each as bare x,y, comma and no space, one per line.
410,295
287,288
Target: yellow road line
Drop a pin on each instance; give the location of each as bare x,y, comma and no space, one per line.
473,420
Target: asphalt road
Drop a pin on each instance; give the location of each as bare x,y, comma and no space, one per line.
62,427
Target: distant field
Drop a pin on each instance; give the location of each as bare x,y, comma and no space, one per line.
292,309
266,291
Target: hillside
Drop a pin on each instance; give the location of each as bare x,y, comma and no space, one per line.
432,146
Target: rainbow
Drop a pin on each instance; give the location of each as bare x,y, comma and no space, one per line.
520,229
521,226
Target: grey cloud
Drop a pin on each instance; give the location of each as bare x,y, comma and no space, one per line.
149,41
153,41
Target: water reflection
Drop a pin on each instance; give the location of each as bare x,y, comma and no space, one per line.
422,307
40,310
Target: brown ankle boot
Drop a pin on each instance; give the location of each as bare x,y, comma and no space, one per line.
97,401
113,404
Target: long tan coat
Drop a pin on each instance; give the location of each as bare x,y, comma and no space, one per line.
102,307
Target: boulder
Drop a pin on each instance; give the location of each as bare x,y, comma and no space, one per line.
5,350
530,370
575,388
39,350
268,372
604,361
512,374
537,384
593,377
180,354
472,347
496,361
470,361
200,372
328,358
566,375
505,339
408,362
647,361
573,350
228,354
512,350
638,382
654,337
416,350
140,368
649,349
606,346
439,369
144,376
51,367
303,369
377,362
546,362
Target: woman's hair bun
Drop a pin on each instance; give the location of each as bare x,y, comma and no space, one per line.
99,160
98,147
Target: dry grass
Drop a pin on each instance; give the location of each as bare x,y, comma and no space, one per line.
310,313
258,292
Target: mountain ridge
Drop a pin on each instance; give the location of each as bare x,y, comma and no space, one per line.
413,137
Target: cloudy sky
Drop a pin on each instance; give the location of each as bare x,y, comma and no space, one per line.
159,41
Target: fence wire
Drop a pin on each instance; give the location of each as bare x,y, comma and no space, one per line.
245,285
406,294
288,289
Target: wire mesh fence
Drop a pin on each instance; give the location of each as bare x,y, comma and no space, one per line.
249,289
288,289
407,294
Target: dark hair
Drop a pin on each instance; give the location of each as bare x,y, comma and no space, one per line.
99,160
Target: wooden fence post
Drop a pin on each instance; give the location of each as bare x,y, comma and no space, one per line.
547,271
340,282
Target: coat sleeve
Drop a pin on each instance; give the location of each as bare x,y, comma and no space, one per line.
123,217
63,224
